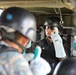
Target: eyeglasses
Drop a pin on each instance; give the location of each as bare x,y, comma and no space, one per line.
47,27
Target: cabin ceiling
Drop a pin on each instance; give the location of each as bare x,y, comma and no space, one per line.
44,8
40,6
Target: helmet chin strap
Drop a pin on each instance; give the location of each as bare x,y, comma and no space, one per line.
22,47
13,40
11,37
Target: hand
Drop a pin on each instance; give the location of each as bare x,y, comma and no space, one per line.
56,37
29,56
59,48
39,66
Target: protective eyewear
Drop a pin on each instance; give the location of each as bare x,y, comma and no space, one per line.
47,27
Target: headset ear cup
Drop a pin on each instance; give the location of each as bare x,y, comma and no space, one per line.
60,27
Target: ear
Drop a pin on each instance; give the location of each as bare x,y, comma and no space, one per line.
24,41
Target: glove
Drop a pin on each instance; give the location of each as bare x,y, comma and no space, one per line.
38,65
57,41
29,56
74,47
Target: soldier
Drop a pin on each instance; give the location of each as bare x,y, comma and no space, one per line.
18,26
66,67
52,46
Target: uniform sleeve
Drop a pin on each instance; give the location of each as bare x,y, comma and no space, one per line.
22,66
14,64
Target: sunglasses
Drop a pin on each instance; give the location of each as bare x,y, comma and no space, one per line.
47,27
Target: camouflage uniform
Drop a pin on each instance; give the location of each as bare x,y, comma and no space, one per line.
13,63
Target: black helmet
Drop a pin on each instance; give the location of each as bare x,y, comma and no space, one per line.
66,67
53,22
20,20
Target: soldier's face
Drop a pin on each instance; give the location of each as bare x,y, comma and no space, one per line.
49,31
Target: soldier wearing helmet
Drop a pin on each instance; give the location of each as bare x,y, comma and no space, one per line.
66,67
53,22
52,45
18,26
